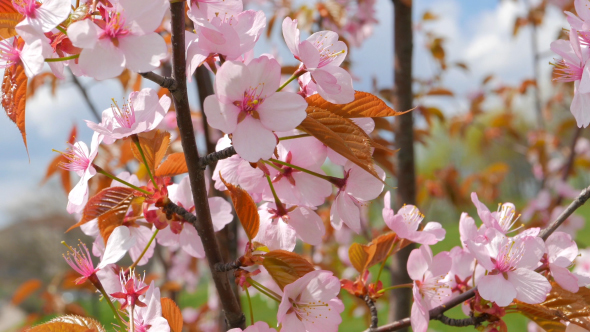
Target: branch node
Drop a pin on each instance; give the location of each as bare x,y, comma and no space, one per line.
226,267
163,81
373,311
475,320
216,156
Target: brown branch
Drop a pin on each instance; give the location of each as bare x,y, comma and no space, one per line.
204,225
436,312
216,156
84,94
404,139
226,267
165,82
475,321
373,310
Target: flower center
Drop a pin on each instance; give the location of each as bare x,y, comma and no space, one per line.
10,54
249,104
412,216
566,72
508,256
114,26
307,311
26,7
326,56
76,159
507,212
433,288
124,115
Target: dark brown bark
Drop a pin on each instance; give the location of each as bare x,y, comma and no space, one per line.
203,224
404,138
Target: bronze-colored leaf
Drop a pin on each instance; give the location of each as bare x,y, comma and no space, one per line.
245,209
173,165
365,105
341,135
359,255
154,145
172,314
14,97
69,323
560,305
25,290
9,18
109,199
285,267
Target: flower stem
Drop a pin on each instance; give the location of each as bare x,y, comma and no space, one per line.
410,285
132,319
278,202
294,136
295,75
71,57
136,141
103,172
264,290
304,170
386,257
144,250
108,299
250,305
62,29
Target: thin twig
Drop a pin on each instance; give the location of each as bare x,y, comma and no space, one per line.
475,321
84,94
216,156
373,311
203,224
437,311
165,82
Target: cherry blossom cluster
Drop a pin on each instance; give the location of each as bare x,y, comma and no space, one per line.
573,65
280,166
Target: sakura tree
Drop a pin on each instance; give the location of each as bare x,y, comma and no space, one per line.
290,165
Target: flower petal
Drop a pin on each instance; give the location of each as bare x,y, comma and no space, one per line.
253,141
282,111
120,241
531,287
143,53
497,289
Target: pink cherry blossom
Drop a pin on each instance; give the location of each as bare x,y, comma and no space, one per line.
509,263
246,105
209,9
358,186
79,160
321,55
14,51
119,242
280,227
294,186
256,327
132,287
406,221
40,17
561,252
81,262
149,318
572,68
501,220
430,288
461,272
142,112
311,304
583,262
230,35
183,234
124,38
238,171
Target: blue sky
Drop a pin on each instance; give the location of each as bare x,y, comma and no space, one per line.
477,32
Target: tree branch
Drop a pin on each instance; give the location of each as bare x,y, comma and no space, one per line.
476,321
373,311
216,156
203,223
84,94
226,267
438,311
165,82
